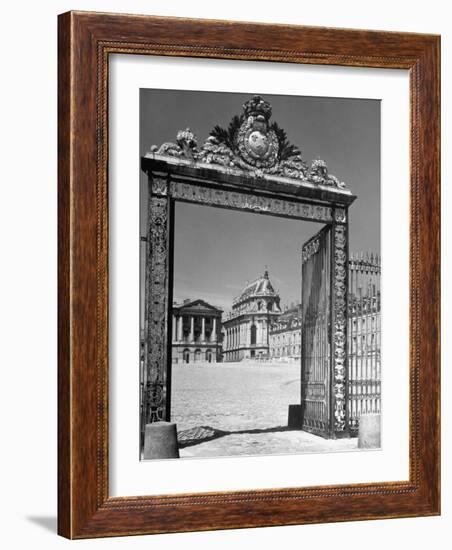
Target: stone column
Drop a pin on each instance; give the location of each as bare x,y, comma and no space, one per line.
174,335
213,336
203,329
192,329
180,330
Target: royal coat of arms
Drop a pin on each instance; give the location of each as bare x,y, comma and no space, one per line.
256,141
252,144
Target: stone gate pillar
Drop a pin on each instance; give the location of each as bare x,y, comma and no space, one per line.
157,297
339,324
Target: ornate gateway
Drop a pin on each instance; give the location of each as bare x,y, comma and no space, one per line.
251,166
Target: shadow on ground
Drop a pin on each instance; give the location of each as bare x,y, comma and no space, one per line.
202,434
49,523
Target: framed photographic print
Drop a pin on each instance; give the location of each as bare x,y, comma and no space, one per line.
248,275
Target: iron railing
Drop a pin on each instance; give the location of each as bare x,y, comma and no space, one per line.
364,337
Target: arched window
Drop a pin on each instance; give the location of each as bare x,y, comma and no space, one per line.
197,355
186,356
209,355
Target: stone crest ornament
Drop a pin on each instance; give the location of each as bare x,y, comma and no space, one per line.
256,140
186,145
253,144
318,173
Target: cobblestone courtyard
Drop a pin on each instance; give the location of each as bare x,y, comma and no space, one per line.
240,409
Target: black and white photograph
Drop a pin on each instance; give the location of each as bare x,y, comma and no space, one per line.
221,292
260,267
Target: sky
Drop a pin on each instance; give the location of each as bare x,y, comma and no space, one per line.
217,251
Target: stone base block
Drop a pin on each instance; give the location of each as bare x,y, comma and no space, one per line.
295,418
160,440
369,433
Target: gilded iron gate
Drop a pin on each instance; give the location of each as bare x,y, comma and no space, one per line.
324,390
315,338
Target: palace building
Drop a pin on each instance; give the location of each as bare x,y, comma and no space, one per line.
196,332
246,329
285,336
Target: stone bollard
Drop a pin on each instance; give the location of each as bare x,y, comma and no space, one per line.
160,440
295,418
369,431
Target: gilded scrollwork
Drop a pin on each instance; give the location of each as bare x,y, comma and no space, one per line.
252,144
311,248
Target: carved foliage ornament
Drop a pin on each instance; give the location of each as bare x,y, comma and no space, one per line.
253,144
339,325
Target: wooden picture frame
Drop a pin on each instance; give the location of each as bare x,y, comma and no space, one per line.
85,42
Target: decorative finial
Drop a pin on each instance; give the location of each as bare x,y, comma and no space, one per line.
257,106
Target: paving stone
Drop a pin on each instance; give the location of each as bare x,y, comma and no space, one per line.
231,409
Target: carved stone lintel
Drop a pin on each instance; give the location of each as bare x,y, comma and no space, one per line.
253,203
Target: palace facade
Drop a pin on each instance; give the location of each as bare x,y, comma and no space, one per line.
246,329
196,332
285,336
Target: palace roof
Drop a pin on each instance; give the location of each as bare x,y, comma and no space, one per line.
261,287
196,306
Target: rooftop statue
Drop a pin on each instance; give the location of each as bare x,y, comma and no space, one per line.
252,144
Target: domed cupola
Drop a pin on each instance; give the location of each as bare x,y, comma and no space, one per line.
260,295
